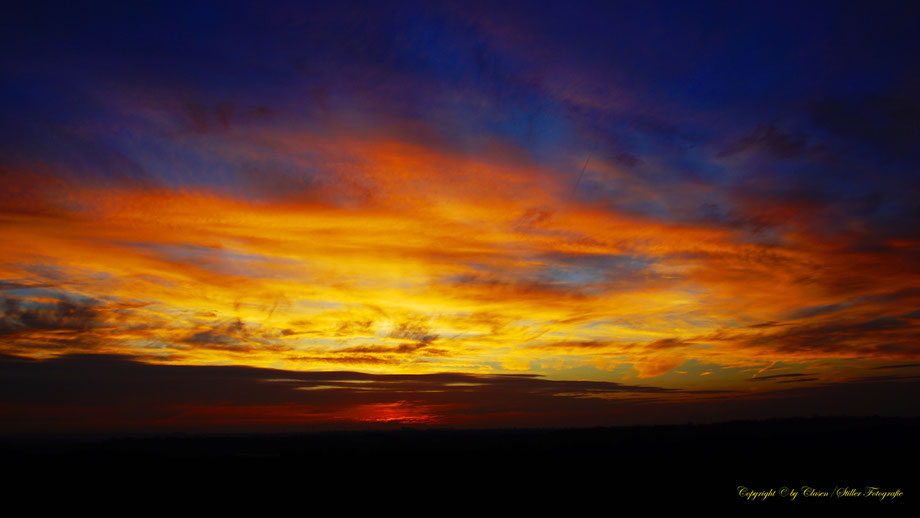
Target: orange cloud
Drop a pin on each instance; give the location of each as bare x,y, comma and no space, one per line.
448,263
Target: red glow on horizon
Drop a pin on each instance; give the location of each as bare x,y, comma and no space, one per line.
399,412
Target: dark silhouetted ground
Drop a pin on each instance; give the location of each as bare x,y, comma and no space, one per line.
575,472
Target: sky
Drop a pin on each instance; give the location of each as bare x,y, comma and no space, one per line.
295,215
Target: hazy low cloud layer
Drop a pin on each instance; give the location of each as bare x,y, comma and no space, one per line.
116,393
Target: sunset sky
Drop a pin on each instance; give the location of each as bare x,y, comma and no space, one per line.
285,215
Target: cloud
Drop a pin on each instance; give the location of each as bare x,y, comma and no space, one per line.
768,139
897,366
348,358
120,391
21,316
415,331
774,377
236,336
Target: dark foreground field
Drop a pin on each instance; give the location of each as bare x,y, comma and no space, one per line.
569,472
